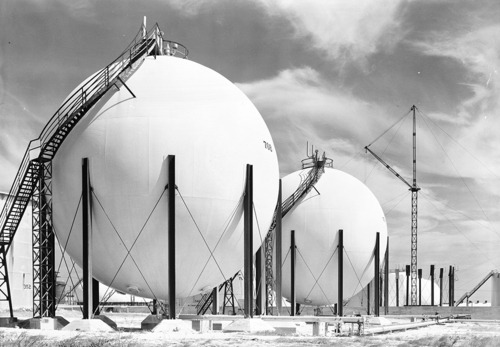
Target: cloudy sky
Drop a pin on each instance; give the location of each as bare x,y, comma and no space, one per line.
335,73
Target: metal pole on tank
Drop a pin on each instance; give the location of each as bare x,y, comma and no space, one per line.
340,249
171,236
248,242
86,242
293,301
376,306
278,254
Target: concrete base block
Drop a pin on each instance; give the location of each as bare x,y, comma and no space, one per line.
45,323
150,322
8,322
201,325
249,325
107,320
319,328
90,325
173,325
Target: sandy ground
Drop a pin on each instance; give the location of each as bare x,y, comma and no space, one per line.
447,334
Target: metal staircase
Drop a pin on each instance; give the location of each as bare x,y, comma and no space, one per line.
43,149
207,299
467,295
317,167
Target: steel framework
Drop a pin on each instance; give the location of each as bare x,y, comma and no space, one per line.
414,206
44,276
317,165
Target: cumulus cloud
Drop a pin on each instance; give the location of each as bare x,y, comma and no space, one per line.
346,30
478,51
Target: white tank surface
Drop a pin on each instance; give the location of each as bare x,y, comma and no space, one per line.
339,201
184,109
495,289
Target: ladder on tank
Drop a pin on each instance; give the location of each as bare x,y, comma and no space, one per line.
36,162
317,167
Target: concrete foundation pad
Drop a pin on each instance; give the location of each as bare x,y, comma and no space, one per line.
8,322
88,325
173,325
249,325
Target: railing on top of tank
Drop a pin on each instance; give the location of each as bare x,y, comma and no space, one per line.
175,49
142,44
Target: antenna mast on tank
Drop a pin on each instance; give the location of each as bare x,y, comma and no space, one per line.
414,200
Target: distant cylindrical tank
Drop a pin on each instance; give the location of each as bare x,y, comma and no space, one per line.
495,289
339,201
184,109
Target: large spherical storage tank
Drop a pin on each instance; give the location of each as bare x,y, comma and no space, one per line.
339,201
184,109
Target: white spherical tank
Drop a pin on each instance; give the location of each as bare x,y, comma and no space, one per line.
339,201
184,109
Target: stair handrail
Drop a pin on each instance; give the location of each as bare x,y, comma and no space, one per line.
139,46
476,288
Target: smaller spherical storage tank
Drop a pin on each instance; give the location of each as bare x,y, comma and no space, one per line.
339,201
187,110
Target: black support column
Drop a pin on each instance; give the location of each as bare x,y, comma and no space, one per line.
419,287
340,290
386,279
86,242
432,285
293,301
376,306
248,242
407,284
95,297
171,236
260,283
441,270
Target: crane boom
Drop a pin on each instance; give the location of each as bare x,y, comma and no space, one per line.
388,166
414,206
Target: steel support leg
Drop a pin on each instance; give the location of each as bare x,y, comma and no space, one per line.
340,283
248,242
386,279
376,306
171,236
86,242
432,285
293,248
